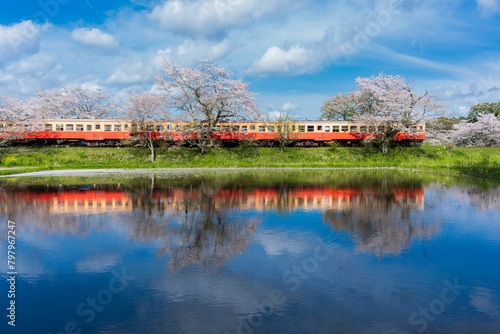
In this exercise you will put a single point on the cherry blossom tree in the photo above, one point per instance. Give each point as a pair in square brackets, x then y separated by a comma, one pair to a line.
[17, 118]
[390, 105]
[484, 132]
[339, 107]
[76, 102]
[206, 96]
[284, 129]
[146, 110]
[484, 108]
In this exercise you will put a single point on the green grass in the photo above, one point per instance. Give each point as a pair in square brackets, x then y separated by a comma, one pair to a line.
[470, 161]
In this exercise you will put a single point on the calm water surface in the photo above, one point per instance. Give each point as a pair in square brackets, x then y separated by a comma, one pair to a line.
[309, 252]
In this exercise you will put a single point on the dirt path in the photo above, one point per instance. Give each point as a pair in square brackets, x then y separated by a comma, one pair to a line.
[172, 171]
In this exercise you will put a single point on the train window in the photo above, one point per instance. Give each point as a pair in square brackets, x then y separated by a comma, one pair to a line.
[421, 127]
[262, 128]
[1, 126]
[279, 128]
[79, 127]
[335, 128]
[310, 128]
[362, 128]
[10, 125]
[89, 127]
[252, 127]
[48, 127]
[69, 127]
[302, 128]
[320, 128]
[327, 129]
[371, 128]
[18, 126]
[177, 128]
[148, 127]
[107, 127]
[169, 127]
[236, 128]
[59, 127]
[98, 126]
[244, 128]
[159, 128]
[225, 128]
[270, 129]
[380, 128]
[354, 128]
[118, 128]
[345, 128]
[293, 128]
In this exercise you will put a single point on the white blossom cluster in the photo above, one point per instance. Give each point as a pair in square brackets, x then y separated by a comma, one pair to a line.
[485, 132]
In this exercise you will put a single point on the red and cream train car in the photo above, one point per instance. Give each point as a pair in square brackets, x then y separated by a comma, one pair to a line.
[110, 132]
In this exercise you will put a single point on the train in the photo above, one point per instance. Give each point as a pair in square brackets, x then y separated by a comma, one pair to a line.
[107, 132]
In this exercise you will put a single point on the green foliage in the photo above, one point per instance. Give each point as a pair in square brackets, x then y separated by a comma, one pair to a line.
[333, 145]
[283, 129]
[450, 145]
[339, 107]
[484, 108]
[442, 123]
[484, 161]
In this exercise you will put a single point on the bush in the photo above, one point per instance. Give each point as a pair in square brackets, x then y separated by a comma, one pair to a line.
[333, 145]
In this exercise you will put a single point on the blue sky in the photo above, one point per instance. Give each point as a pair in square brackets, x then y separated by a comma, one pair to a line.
[295, 53]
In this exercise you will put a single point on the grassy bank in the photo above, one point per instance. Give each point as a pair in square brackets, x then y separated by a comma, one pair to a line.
[471, 161]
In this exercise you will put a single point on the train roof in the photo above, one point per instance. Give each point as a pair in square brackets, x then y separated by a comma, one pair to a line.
[83, 120]
[173, 121]
[307, 121]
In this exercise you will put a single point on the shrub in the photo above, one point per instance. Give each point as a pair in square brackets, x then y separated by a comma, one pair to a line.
[333, 145]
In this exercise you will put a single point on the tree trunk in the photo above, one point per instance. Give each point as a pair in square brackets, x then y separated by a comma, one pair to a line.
[203, 150]
[152, 149]
[153, 155]
[152, 186]
[384, 146]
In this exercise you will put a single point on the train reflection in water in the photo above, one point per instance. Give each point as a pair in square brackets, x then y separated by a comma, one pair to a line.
[380, 220]
[88, 200]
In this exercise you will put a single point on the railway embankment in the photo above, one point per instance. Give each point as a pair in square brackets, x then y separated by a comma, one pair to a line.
[484, 162]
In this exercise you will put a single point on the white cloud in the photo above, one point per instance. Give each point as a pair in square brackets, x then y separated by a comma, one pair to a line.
[278, 243]
[30, 73]
[188, 53]
[191, 51]
[473, 84]
[124, 77]
[288, 106]
[131, 74]
[94, 37]
[99, 264]
[485, 301]
[209, 18]
[279, 61]
[488, 5]
[20, 38]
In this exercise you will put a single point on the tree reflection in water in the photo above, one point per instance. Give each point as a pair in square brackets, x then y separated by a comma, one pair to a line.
[384, 222]
[206, 232]
[200, 222]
